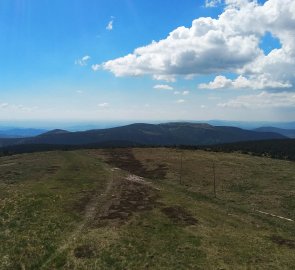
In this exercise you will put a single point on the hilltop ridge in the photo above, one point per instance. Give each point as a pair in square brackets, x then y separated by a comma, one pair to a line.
[166, 134]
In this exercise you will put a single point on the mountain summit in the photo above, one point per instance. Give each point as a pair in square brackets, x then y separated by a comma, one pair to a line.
[148, 134]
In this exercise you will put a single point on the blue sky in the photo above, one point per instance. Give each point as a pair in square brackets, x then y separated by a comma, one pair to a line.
[76, 60]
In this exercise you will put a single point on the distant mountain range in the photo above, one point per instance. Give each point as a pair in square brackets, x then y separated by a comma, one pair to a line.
[90, 125]
[20, 132]
[252, 124]
[290, 133]
[147, 134]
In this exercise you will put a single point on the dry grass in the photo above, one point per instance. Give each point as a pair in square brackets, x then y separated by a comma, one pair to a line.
[67, 210]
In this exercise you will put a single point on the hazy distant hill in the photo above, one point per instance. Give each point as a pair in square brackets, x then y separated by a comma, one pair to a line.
[251, 125]
[20, 132]
[290, 133]
[149, 134]
[53, 132]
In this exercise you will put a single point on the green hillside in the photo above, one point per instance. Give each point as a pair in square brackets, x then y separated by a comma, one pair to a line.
[90, 209]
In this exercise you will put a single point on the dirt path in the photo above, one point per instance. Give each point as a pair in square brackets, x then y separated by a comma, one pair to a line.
[122, 197]
[129, 195]
[137, 179]
[126, 160]
[89, 215]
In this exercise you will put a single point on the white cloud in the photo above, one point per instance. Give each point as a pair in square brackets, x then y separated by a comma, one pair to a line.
[219, 82]
[262, 100]
[3, 105]
[164, 77]
[83, 61]
[17, 107]
[104, 105]
[23, 108]
[203, 106]
[110, 25]
[276, 17]
[185, 93]
[163, 87]
[262, 81]
[95, 67]
[189, 51]
[230, 43]
[238, 3]
[212, 3]
[180, 101]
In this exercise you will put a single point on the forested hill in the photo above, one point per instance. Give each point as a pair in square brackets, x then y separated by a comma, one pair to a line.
[148, 134]
[281, 149]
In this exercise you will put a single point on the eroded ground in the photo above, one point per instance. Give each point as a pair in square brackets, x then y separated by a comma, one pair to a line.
[127, 209]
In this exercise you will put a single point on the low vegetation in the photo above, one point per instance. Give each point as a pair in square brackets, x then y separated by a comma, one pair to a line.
[142, 209]
[280, 149]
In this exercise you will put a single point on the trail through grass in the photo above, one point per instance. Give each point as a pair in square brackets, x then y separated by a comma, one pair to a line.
[71, 210]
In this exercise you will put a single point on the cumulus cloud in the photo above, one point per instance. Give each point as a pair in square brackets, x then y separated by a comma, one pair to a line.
[189, 51]
[238, 3]
[212, 3]
[83, 61]
[219, 82]
[185, 93]
[262, 100]
[163, 87]
[230, 43]
[262, 81]
[277, 18]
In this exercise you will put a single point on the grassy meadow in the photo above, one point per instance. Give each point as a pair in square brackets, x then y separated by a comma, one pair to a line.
[146, 208]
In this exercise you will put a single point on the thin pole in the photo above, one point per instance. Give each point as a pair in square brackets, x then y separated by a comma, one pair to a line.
[214, 179]
[180, 172]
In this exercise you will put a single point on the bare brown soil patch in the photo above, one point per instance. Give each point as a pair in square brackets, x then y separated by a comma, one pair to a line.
[179, 215]
[125, 160]
[126, 198]
[132, 197]
[283, 242]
